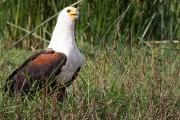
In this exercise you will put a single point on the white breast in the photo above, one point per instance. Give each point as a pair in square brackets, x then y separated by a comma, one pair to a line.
[74, 61]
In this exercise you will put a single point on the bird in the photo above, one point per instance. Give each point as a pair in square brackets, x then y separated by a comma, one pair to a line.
[57, 65]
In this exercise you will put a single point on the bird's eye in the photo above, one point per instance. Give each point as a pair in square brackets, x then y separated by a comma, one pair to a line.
[68, 10]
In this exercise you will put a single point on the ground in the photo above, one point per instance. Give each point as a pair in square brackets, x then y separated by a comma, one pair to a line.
[133, 83]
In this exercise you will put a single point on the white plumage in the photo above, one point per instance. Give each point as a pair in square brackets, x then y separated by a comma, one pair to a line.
[63, 40]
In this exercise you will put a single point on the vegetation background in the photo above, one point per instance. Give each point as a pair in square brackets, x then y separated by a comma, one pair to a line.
[132, 58]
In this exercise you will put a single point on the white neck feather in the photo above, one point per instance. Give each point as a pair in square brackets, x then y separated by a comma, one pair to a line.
[63, 36]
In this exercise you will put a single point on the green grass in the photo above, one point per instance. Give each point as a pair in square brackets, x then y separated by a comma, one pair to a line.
[139, 84]
[125, 75]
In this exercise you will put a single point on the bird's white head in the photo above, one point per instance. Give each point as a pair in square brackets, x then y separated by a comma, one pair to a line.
[63, 35]
[69, 13]
[66, 20]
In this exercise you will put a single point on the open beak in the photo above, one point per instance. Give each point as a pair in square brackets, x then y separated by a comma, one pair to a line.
[75, 14]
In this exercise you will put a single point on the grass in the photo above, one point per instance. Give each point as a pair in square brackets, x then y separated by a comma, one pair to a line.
[139, 84]
[127, 74]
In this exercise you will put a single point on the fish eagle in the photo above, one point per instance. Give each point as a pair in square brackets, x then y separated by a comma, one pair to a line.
[57, 65]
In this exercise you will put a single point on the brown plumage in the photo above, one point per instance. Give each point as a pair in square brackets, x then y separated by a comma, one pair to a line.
[36, 68]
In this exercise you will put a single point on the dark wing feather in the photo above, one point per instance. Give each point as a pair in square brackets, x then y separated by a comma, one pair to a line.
[73, 77]
[25, 63]
[39, 68]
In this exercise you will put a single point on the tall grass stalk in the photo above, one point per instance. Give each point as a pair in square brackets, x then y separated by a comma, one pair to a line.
[94, 23]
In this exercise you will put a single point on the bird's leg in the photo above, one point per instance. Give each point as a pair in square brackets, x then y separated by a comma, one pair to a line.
[59, 93]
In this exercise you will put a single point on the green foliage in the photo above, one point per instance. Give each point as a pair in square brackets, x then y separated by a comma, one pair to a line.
[99, 23]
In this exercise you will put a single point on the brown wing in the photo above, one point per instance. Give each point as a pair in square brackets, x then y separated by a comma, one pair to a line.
[39, 68]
